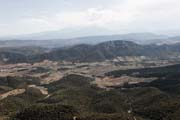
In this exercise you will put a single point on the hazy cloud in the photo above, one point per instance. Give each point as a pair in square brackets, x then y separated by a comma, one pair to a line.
[118, 15]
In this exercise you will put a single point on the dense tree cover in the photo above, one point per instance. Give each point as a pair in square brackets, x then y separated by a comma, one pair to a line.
[17, 82]
[12, 104]
[46, 112]
[159, 72]
[76, 96]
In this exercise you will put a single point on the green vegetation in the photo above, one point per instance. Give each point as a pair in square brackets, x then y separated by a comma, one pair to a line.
[17, 82]
[88, 53]
[75, 96]
[46, 112]
[159, 72]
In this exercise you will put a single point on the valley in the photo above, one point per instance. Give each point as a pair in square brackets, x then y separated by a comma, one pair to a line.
[121, 81]
[89, 60]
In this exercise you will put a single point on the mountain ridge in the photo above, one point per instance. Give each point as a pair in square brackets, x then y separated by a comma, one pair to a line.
[140, 38]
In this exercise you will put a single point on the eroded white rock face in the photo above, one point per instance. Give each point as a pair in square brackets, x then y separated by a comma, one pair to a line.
[120, 81]
[31, 89]
[12, 93]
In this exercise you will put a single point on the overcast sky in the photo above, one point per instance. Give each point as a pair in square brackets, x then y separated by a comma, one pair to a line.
[123, 16]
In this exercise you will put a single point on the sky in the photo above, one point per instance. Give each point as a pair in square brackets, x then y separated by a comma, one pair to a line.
[118, 16]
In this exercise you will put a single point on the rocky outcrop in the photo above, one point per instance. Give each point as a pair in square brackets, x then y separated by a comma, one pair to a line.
[36, 90]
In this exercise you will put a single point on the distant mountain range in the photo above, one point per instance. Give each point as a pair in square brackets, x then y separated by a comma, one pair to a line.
[65, 33]
[110, 50]
[90, 53]
[48, 41]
